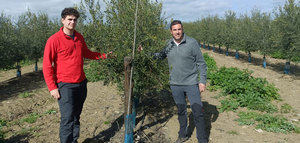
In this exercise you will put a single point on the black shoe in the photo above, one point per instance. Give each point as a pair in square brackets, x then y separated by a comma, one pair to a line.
[181, 140]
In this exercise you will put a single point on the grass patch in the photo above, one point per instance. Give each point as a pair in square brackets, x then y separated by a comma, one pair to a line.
[267, 122]
[31, 118]
[211, 65]
[286, 108]
[106, 122]
[50, 111]
[25, 95]
[240, 89]
[2, 134]
[2, 123]
[228, 105]
[233, 133]
[243, 90]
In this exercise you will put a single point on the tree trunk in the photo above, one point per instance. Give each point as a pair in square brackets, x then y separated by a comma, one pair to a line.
[249, 57]
[237, 56]
[18, 70]
[129, 118]
[264, 61]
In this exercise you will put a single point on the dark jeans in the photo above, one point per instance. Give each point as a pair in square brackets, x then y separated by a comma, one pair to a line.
[72, 97]
[193, 94]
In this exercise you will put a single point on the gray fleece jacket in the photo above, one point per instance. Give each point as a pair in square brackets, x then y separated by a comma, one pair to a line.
[185, 62]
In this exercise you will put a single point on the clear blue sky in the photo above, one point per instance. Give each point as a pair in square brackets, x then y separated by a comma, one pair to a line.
[185, 10]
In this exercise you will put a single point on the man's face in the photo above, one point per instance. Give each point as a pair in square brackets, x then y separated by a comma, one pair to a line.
[177, 32]
[69, 22]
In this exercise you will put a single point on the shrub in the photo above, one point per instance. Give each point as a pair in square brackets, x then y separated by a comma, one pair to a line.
[31, 118]
[244, 90]
[267, 122]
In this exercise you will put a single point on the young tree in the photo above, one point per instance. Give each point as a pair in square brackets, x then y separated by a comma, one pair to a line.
[287, 24]
[215, 31]
[151, 35]
[7, 41]
[229, 30]
[265, 42]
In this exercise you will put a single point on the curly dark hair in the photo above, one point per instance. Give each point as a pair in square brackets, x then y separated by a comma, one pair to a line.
[174, 23]
[69, 11]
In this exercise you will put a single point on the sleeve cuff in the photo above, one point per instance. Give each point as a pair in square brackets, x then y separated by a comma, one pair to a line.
[102, 56]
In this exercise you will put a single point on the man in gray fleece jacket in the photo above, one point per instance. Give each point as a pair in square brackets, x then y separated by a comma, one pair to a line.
[185, 62]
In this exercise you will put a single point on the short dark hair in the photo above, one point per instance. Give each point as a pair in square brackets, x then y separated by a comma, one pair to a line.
[174, 22]
[69, 11]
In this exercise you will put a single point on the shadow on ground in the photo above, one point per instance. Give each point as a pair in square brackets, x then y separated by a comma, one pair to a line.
[26, 83]
[21, 138]
[211, 114]
[107, 134]
[157, 108]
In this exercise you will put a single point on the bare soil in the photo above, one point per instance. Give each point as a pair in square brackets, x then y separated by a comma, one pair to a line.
[102, 119]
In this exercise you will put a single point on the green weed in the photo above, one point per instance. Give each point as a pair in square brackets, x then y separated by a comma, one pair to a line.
[2, 134]
[233, 133]
[2, 123]
[211, 65]
[51, 111]
[25, 94]
[267, 122]
[247, 118]
[244, 90]
[106, 122]
[286, 108]
[228, 105]
[31, 118]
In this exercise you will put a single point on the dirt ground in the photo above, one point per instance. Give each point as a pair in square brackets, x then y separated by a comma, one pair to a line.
[102, 120]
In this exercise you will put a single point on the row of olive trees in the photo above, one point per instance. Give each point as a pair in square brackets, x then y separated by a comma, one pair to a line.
[276, 35]
[24, 39]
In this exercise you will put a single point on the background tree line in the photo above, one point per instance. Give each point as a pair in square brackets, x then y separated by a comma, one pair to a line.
[111, 29]
[104, 30]
[25, 38]
[275, 34]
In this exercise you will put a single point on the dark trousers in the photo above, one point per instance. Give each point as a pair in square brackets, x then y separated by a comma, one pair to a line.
[193, 94]
[72, 97]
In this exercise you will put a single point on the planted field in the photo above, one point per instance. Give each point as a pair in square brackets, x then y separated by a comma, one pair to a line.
[31, 115]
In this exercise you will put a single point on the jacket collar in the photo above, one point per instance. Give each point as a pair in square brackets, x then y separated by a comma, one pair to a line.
[61, 33]
[182, 41]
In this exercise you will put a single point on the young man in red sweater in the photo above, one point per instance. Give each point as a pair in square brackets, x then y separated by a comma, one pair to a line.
[64, 75]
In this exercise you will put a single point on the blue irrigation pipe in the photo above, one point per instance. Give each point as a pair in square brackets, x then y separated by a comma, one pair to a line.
[249, 57]
[18, 70]
[227, 53]
[264, 62]
[237, 54]
[287, 68]
[220, 50]
[36, 67]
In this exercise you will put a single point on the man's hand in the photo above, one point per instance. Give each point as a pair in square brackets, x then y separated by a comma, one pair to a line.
[55, 93]
[202, 87]
[110, 55]
[140, 48]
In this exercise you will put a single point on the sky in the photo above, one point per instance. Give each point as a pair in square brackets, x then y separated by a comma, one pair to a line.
[184, 10]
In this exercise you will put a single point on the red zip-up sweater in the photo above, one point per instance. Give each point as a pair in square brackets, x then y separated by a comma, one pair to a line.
[63, 59]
